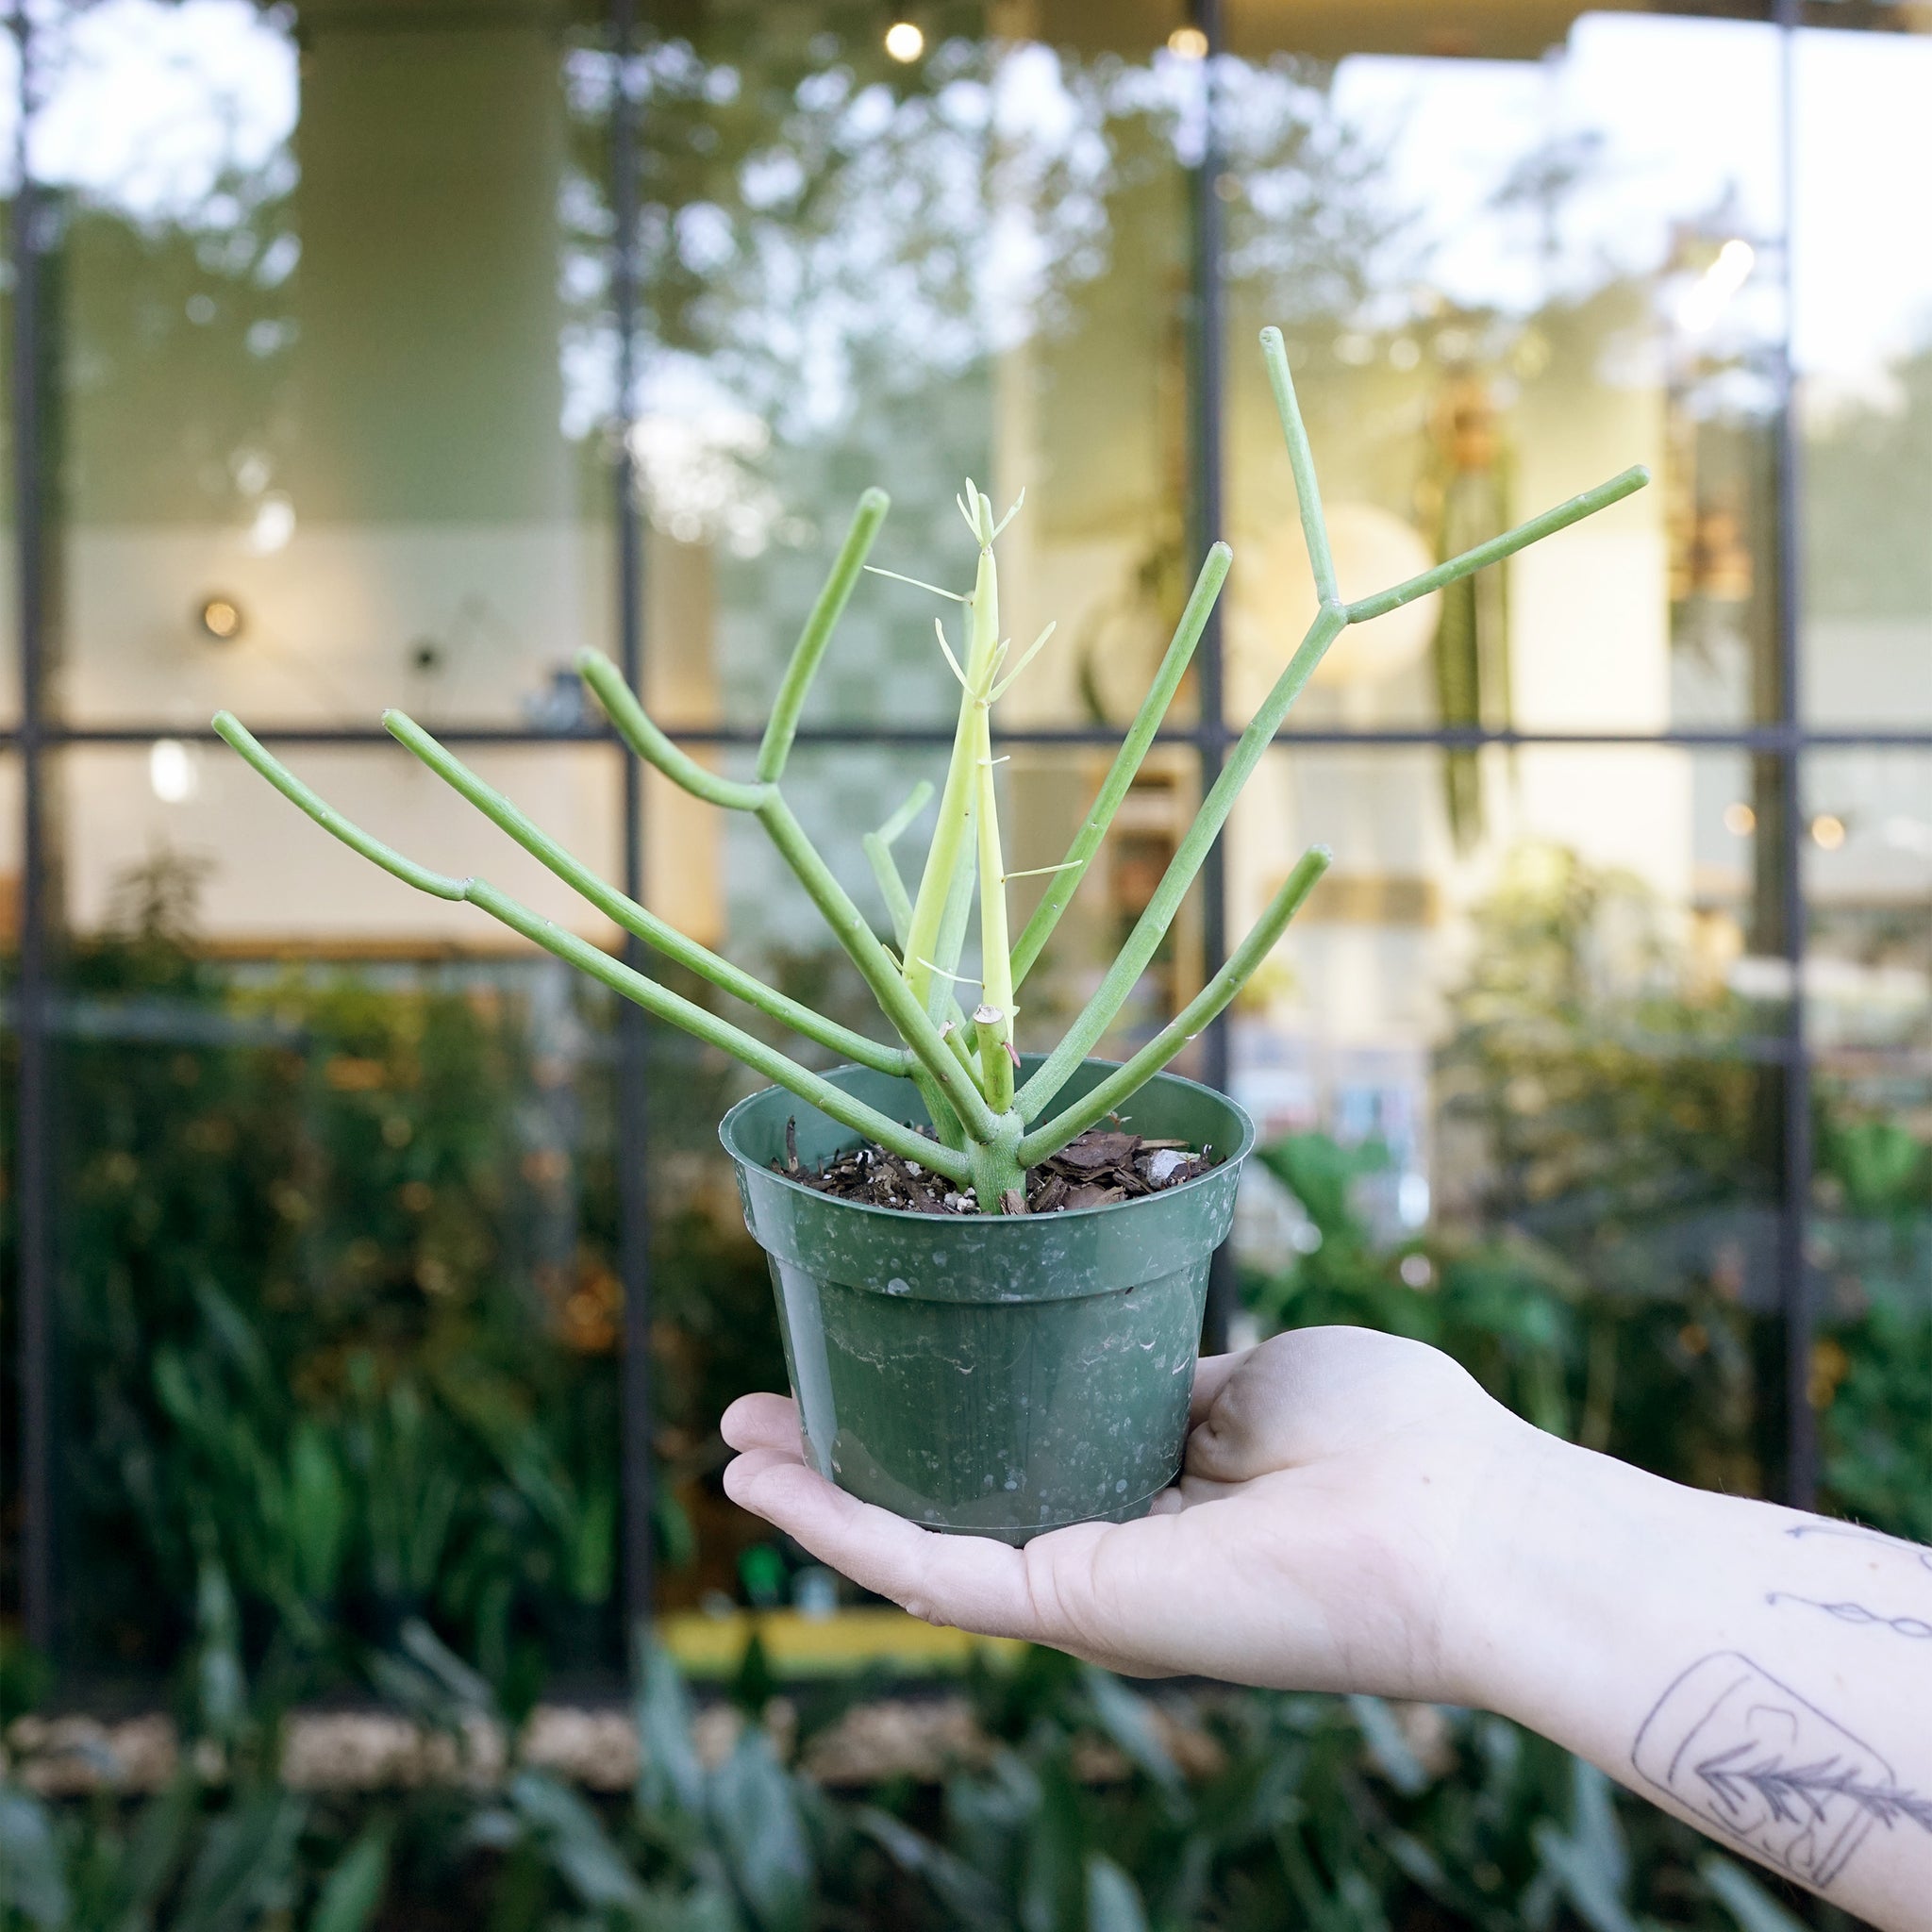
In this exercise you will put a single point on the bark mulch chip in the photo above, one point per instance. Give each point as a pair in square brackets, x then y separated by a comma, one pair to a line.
[1103, 1165]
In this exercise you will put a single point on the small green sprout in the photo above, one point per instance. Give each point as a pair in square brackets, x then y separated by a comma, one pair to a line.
[990, 1128]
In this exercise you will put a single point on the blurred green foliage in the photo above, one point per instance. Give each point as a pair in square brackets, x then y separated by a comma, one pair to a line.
[1087, 1807]
[339, 1319]
[337, 1305]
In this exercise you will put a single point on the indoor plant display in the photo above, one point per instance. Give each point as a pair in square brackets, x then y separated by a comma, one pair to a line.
[989, 1352]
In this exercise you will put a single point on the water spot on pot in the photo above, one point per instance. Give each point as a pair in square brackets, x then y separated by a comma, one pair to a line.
[896, 1286]
[985, 1481]
[1145, 1347]
[1013, 1482]
[1120, 1488]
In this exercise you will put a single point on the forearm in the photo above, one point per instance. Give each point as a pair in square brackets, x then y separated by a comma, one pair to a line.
[1763, 1674]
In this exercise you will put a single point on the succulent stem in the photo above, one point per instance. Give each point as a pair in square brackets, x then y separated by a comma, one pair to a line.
[967, 1084]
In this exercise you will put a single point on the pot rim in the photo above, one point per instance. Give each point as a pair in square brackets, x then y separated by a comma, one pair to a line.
[1246, 1147]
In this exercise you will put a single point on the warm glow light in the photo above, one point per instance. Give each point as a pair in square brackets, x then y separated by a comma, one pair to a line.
[221, 618]
[171, 771]
[1721, 280]
[274, 524]
[1827, 832]
[904, 42]
[1740, 820]
[1187, 43]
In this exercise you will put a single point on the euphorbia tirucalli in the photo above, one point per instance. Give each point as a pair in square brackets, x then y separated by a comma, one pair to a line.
[986, 1127]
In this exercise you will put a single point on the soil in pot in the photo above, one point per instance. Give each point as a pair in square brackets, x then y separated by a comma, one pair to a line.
[1101, 1166]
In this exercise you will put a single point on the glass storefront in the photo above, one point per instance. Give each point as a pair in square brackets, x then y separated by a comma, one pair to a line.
[389, 356]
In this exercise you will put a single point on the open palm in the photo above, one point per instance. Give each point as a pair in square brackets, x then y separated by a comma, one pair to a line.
[1336, 1488]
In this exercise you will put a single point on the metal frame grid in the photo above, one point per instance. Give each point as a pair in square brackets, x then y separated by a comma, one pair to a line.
[1783, 742]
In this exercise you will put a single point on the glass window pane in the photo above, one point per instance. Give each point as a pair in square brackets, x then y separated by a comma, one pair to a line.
[1869, 1011]
[335, 1228]
[267, 872]
[1500, 286]
[1527, 1100]
[1863, 345]
[862, 269]
[334, 358]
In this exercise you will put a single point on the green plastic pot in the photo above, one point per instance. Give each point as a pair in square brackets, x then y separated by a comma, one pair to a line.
[995, 1376]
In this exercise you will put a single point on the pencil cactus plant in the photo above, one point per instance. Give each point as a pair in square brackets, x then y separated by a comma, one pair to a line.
[988, 1129]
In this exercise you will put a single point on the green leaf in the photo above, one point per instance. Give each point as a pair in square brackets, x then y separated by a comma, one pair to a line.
[966, 1894]
[353, 1888]
[464, 1687]
[756, 1817]
[1113, 1900]
[1128, 1721]
[1591, 1890]
[31, 1881]
[1053, 1878]
[1388, 1746]
[154, 1853]
[670, 1781]
[1320, 1173]
[1747, 1901]
[318, 1513]
[576, 1843]
[246, 1865]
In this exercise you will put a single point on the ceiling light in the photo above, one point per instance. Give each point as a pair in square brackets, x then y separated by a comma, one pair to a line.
[1187, 43]
[904, 42]
[1740, 820]
[1827, 831]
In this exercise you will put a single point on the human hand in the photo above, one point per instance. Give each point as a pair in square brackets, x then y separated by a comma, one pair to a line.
[1343, 1495]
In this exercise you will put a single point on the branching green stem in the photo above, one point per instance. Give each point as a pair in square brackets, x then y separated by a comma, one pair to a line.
[634, 726]
[1507, 544]
[1143, 942]
[665, 1005]
[1301, 461]
[231, 729]
[1128, 761]
[636, 919]
[656, 1000]
[783, 724]
[963, 1071]
[895, 998]
[1126, 1079]
[1152, 927]
[878, 854]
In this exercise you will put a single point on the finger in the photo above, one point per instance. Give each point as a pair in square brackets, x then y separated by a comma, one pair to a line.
[1211, 1378]
[970, 1581]
[761, 1421]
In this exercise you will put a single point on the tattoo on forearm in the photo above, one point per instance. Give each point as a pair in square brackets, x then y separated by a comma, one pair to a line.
[1737, 1748]
[1854, 1532]
[1853, 1613]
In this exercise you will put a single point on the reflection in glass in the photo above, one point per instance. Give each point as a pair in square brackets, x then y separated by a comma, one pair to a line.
[1868, 990]
[331, 371]
[1499, 284]
[1863, 345]
[860, 270]
[1530, 1089]
[336, 1298]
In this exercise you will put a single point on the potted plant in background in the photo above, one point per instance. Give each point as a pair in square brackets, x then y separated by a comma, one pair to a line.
[989, 1270]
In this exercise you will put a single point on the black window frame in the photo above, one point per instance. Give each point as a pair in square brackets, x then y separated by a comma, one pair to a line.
[1780, 744]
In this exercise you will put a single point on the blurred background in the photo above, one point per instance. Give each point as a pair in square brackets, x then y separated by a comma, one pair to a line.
[372, 1286]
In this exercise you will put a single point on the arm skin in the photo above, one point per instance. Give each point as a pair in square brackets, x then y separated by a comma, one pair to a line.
[1355, 1514]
